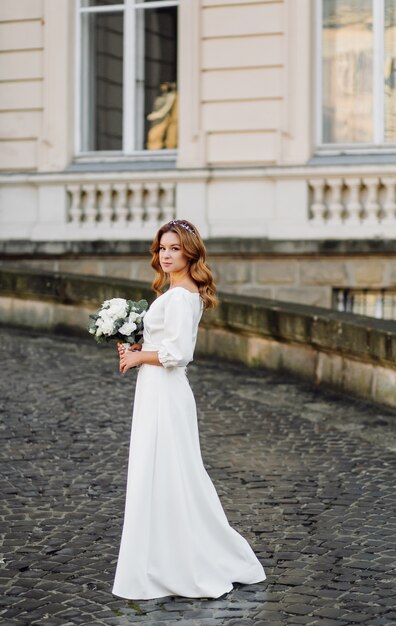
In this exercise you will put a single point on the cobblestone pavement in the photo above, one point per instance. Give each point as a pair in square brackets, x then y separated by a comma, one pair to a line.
[307, 476]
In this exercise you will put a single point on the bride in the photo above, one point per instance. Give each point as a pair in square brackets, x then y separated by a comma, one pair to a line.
[176, 539]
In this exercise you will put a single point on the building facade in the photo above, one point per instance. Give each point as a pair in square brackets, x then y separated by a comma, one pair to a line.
[271, 125]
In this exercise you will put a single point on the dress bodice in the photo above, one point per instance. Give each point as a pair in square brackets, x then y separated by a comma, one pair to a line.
[171, 326]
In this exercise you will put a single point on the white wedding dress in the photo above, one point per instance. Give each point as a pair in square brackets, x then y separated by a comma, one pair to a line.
[176, 539]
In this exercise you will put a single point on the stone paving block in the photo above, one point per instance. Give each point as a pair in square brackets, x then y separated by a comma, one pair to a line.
[307, 476]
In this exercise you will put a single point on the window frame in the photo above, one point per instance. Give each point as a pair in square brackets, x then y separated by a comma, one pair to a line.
[378, 145]
[129, 9]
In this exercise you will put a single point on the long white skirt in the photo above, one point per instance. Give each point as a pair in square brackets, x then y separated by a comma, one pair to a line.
[176, 539]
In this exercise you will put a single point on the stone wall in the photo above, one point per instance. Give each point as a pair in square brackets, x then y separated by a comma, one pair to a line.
[304, 272]
[354, 353]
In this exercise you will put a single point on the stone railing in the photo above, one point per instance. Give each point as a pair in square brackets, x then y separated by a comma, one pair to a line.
[106, 207]
[353, 353]
[353, 200]
[275, 203]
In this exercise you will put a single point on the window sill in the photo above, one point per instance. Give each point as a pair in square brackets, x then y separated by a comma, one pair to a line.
[366, 157]
[110, 162]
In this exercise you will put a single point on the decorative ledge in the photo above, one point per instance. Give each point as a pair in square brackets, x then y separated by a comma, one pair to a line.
[221, 246]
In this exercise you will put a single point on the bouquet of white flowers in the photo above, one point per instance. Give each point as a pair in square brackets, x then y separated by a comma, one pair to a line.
[119, 319]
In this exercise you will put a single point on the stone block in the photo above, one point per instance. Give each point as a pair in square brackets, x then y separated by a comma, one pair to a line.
[367, 272]
[382, 345]
[25, 313]
[50, 264]
[237, 272]
[358, 377]
[70, 320]
[142, 270]
[355, 339]
[253, 290]
[223, 344]
[384, 386]
[92, 267]
[264, 352]
[327, 333]
[118, 269]
[317, 296]
[329, 272]
[298, 359]
[294, 327]
[329, 369]
[275, 272]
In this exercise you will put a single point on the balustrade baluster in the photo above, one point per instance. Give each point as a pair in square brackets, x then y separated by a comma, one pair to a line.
[75, 211]
[137, 205]
[354, 205]
[336, 207]
[372, 206]
[90, 210]
[318, 207]
[121, 205]
[389, 206]
[152, 209]
[105, 209]
[168, 201]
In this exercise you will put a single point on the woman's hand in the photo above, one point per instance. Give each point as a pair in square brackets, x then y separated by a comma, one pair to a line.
[129, 358]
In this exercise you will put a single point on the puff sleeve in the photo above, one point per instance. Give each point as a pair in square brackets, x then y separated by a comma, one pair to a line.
[177, 347]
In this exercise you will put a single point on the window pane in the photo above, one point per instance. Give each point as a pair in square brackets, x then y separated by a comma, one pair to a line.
[156, 79]
[102, 81]
[390, 70]
[99, 3]
[347, 71]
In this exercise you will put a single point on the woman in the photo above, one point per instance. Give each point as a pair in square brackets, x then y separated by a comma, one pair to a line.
[176, 539]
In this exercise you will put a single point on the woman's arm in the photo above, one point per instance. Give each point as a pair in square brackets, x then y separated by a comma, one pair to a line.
[134, 357]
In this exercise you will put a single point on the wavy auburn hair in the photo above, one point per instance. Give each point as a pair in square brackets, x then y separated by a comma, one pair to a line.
[194, 249]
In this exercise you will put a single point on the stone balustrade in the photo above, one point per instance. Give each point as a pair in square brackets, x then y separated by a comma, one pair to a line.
[275, 203]
[110, 206]
[352, 200]
[353, 353]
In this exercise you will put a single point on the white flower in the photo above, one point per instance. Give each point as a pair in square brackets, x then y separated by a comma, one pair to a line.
[105, 314]
[105, 326]
[115, 308]
[133, 316]
[127, 328]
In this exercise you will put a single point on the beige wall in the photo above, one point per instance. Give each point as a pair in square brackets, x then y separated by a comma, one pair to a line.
[21, 82]
[242, 80]
[239, 99]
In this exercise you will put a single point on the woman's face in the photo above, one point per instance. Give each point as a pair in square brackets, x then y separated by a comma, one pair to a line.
[171, 256]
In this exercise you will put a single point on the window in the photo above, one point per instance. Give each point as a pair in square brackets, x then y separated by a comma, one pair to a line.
[127, 76]
[378, 303]
[356, 74]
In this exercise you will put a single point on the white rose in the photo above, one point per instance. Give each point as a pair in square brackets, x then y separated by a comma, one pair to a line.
[115, 308]
[118, 309]
[127, 328]
[114, 302]
[133, 316]
[105, 314]
[105, 326]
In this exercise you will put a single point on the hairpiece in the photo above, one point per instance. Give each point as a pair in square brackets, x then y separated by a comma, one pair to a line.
[183, 224]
